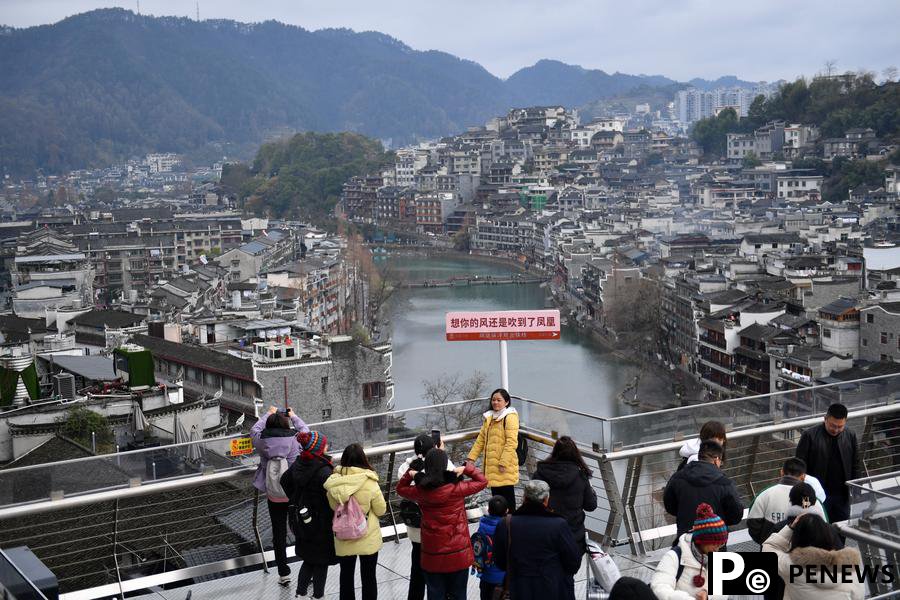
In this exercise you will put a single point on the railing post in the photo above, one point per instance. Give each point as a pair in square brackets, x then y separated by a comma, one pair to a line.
[866, 443]
[751, 464]
[616, 507]
[390, 481]
[632, 482]
[115, 546]
[259, 544]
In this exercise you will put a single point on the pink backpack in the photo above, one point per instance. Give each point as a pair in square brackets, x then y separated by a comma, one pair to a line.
[350, 523]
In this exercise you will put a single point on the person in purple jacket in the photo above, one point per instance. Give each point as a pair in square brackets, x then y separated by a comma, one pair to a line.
[275, 439]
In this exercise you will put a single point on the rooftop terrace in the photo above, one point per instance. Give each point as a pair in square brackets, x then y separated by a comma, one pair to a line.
[150, 522]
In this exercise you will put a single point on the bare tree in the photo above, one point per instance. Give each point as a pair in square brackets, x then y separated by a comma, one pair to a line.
[447, 389]
[632, 310]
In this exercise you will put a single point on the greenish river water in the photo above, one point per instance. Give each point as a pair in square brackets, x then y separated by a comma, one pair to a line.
[575, 371]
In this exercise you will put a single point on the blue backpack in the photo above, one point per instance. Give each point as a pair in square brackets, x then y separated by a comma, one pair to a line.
[483, 547]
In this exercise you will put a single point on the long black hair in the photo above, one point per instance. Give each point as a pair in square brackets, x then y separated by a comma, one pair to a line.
[503, 393]
[565, 450]
[812, 530]
[435, 468]
[355, 456]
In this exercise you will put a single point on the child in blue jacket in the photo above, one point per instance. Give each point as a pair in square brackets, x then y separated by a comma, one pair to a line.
[491, 576]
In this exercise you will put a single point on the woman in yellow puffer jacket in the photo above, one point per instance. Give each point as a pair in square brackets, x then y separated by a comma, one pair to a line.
[356, 477]
[497, 442]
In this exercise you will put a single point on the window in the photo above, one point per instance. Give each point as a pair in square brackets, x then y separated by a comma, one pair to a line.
[326, 414]
[826, 333]
[865, 342]
[373, 393]
[324, 384]
[373, 424]
[870, 318]
[884, 337]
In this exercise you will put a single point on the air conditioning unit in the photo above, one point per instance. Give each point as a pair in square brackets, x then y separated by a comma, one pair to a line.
[779, 385]
[64, 386]
[778, 364]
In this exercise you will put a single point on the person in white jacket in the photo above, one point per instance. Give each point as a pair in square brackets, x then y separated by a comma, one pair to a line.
[711, 430]
[411, 515]
[683, 574]
[771, 505]
[809, 542]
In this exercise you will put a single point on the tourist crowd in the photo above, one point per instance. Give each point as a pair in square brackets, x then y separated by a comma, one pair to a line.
[533, 549]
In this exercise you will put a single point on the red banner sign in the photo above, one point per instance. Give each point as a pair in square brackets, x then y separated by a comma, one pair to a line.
[503, 325]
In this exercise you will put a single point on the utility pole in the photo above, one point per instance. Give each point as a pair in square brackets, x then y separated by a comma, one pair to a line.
[198, 11]
[138, 6]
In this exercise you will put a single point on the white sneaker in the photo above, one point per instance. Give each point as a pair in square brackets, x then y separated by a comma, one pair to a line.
[284, 580]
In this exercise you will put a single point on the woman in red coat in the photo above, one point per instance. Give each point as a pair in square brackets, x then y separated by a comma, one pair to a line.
[446, 543]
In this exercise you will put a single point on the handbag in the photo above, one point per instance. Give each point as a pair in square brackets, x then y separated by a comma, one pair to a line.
[604, 570]
[502, 593]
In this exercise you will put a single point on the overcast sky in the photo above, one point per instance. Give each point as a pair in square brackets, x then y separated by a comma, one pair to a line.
[682, 39]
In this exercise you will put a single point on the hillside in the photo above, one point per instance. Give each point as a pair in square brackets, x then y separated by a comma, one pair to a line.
[302, 176]
[108, 84]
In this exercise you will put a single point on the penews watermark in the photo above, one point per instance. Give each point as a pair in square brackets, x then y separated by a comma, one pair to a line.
[749, 573]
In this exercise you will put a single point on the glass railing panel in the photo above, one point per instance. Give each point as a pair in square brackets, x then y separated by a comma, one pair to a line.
[875, 505]
[121, 469]
[752, 411]
[554, 422]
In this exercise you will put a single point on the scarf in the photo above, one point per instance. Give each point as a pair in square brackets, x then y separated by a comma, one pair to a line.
[501, 414]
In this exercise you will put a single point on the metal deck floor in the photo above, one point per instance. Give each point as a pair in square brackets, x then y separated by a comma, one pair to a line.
[392, 575]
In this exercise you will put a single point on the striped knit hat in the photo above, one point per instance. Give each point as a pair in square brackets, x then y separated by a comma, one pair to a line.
[312, 442]
[709, 529]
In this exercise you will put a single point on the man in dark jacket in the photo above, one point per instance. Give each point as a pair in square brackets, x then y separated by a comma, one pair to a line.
[536, 549]
[702, 481]
[571, 494]
[831, 455]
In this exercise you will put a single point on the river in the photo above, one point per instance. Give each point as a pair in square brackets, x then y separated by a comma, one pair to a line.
[574, 371]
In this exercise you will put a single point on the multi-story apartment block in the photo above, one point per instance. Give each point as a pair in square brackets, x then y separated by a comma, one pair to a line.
[359, 197]
[879, 332]
[49, 272]
[258, 256]
[798, 186]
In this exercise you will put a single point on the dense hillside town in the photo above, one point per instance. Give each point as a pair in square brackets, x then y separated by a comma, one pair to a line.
[734, 270]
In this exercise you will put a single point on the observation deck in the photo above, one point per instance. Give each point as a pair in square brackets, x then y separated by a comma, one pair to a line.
[184, 520]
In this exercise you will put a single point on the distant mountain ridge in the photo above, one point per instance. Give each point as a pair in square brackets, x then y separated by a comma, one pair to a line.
[108, 84]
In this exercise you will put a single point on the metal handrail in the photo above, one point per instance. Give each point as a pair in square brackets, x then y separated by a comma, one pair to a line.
[747, 433]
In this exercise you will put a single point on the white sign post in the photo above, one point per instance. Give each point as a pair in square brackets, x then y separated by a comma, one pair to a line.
[503, 326]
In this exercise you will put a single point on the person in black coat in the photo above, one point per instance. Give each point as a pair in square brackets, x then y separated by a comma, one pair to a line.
[536, 549]
[703, 481]
[304, 483]
[571, 492]
[832, 456]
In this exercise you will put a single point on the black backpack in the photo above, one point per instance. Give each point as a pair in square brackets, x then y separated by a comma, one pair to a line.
[410, 513]
[521, 445]
[522, 449]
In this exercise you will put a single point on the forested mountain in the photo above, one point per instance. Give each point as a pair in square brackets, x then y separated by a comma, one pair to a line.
[108, 84]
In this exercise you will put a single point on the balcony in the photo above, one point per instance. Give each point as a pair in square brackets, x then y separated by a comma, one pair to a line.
[713, 342]
[148, 521]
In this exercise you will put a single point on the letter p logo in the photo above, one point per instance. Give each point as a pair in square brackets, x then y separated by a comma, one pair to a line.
[724, 566]
[741, 573]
